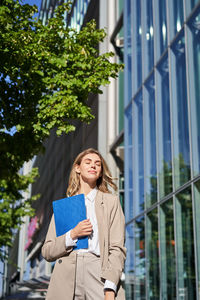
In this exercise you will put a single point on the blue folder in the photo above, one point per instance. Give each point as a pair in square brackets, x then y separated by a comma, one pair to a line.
[68, 212]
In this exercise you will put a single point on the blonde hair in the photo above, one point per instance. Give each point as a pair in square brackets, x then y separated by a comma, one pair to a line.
[103, 181]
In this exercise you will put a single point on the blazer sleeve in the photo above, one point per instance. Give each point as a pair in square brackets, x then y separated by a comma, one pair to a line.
[54, 247]
[116, 248]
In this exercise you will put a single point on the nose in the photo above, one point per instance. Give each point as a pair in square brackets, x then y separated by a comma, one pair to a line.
[93, 165]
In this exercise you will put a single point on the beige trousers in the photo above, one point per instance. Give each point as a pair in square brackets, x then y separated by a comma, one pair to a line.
[88, 285]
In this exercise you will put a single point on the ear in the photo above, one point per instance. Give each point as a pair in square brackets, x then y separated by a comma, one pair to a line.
[77, 169]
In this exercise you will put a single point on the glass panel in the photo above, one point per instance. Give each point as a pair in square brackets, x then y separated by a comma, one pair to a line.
[164, 129]
[180, 113]
[120, 7]
[129, 164]
[81, 6]
[163, 25]
[129, 263]
[138, 157]
[167, 249]
[150, 143]
[121, 190]
[140, 269]
[152, 241]
[197, 223]
[128, 54]
[137, 44]
[178, 15]
[85, 6]
[190, 4]
[121, 101]
[185, 246]
[193, 3]
[149, 35]
[194, 80]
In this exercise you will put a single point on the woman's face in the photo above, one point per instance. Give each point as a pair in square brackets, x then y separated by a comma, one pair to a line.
[90, 168]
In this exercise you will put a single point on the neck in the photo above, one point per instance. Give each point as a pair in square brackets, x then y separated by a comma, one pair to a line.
[86, 187]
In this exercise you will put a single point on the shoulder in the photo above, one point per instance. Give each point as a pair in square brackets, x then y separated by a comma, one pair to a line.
[109, 199]
[108, 196]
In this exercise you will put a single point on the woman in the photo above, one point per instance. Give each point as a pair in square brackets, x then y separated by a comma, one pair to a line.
[93, 273]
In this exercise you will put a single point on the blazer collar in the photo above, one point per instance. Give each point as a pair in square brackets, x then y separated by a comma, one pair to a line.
[99, 197]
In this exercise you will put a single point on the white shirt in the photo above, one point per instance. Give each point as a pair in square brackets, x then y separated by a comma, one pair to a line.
[93, 239]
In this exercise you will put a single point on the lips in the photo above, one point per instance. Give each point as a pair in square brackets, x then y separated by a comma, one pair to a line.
[92, 172]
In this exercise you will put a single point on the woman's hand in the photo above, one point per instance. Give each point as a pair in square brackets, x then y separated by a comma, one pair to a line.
[109, 295]
[83, 228]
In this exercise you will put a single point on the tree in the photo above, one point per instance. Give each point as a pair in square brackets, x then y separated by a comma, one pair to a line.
[46, 75]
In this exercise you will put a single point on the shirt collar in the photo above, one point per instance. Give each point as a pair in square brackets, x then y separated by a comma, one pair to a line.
[92, 194]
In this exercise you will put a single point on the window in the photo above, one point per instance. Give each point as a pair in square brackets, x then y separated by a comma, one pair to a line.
[181, 151]
[197, 219]
[129, 167]
[148, 37]
[193, 48]
[150, 142]
[140, 268]
[152, 240]
[129, 263]
[164, 128]
[185, 245]
[167, 249]
[138, 155]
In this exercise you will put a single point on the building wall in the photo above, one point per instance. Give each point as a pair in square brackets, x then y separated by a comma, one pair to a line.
[162, 149]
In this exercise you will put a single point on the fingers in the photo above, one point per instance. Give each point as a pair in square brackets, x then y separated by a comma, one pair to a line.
[84, 228]
[86, 221]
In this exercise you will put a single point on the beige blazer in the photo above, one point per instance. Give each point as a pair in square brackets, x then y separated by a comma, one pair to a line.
[111, 225]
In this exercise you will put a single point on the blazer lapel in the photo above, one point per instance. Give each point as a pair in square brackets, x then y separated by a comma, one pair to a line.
[99, 209]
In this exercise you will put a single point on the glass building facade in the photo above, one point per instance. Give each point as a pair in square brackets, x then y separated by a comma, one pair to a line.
[162, 148]
[77, 14]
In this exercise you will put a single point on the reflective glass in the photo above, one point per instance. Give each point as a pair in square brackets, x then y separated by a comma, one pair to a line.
[163, 25]
[138, 154]
[150, 143]
[164, 129]
[75, 15]
[152, 245]
[47, 4]
[197, 223]
[121, 101]
[120, 7]
[137, 44]
[149, 35]
[194, 80]
[189, 6]
[178, 15]
[180, 113]
[185, 246]
[129, 263]
[140, 268]
[193, 3]
[78, 9]
[81, 5]
[129, 164]
[167, 250]
[129, 50]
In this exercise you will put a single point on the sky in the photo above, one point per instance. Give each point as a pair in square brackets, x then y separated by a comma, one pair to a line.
[32, 2]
